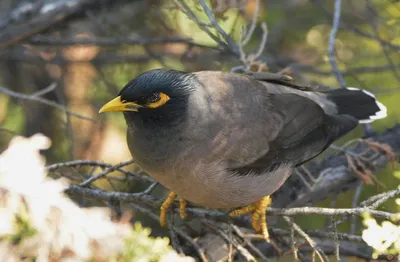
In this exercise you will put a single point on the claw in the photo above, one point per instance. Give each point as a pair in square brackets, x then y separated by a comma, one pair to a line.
[244, 210]
[258, 215]
[182, 208]
[167, 204]
[164, 208]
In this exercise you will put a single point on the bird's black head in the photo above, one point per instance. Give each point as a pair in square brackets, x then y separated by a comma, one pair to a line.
[159, 95]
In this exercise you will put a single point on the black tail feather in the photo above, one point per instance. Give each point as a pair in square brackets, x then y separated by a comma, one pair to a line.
[357, 103]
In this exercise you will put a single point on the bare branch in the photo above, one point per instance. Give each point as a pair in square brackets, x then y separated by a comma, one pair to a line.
[311, 242]
[354, 204]
[331, 47]
[35, 98]
[239, 247]
[336, 239]
[327, 211]
[110, 168]
[250, 31]
[105, 172]
[107, 195]
[377, 200]
[357, 30]
[221, 31]
[248, 243]
[263, 42]
[114, 41]
[46, 90]
[184, 8]
[43, 17]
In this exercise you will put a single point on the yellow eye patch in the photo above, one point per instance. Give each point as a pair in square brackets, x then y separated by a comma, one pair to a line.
[161, 101]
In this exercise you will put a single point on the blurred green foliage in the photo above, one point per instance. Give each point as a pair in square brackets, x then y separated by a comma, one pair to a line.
[140, 246]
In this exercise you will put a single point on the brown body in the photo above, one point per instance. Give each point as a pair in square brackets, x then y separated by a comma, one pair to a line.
[235, 129]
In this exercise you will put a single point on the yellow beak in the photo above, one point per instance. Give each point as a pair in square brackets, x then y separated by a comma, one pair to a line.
[116, 105]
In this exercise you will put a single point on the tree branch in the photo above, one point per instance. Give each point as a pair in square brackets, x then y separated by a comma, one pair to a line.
[331, 46]
[35, 97]
[41, 18]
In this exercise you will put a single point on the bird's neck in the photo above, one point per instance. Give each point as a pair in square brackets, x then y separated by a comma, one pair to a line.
[154, 119]
[151, 141]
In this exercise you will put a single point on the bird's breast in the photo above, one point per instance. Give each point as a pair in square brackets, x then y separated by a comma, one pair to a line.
[211, 185]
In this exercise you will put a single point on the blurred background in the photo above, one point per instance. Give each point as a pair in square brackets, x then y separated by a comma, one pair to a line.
[77, 55]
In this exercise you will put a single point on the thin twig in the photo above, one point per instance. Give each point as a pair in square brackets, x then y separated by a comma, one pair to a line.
[314, 233]
[43, 101]
[293, 245]
[372, 203]
[181, 233]
[384, 48]
[356, 30]
[311, 242]
[46, 16]
[107, 195]
[263, 42]
[326, 211]
[105, 172]
[253, 24]
[356, 197]
[46, 90]
[243, 251]
[377, 200]
[248, 243]
[331, 46]
[196, 246]
[172, 235]
[115, 41]
[77, 163]
[226, 37]
[185, 8]
[336, 239]
[69, 131]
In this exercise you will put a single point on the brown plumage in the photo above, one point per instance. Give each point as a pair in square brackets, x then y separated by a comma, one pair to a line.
[225, 140]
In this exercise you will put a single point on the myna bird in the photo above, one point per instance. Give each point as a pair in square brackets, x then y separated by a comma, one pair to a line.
[226, 140]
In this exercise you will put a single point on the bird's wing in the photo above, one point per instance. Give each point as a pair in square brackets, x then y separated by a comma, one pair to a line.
[306, 132]
[286, 80]
[264, 126]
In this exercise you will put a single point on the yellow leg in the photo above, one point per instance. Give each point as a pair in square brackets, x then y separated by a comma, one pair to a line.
[264, 203]
[164, 208]
[167, 204]
[182, 208]
[259, 217]
[244, 210]
[256, 215]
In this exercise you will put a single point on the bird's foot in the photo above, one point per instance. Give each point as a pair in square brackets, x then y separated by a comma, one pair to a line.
[182, 208]
[258, 215]
[167, 204]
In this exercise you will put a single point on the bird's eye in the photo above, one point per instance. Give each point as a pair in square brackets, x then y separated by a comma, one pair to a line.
[156, 100]
[153, 98]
